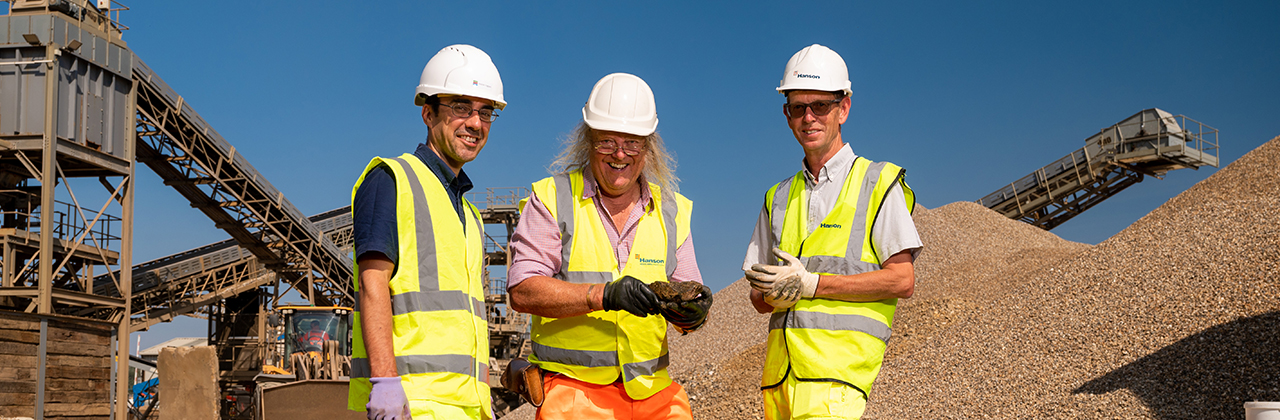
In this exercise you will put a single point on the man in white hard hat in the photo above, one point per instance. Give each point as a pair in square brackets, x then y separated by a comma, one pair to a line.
[590, 240]
[421, 339]
[831, 254]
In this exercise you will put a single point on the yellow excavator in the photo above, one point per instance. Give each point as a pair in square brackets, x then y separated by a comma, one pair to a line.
[305, 366]
[312, 342]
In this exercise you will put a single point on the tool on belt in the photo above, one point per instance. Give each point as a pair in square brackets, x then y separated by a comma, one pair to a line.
[524, 379]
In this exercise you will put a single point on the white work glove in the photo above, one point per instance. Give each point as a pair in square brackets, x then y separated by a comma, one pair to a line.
[387, 400]
[783, 285]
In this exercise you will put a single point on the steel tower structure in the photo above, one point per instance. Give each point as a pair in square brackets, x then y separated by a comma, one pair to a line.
[66, 113]
[77, 106]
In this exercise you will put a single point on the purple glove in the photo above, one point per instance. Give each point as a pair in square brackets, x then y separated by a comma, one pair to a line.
[387, 400]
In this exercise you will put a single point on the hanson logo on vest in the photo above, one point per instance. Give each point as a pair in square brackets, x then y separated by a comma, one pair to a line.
[650, 261]
[830, 225]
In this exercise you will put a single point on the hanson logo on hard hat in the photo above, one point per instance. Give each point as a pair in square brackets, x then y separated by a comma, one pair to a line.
[815, 68]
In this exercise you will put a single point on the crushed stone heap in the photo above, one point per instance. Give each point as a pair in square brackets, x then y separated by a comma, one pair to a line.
[1174, 317]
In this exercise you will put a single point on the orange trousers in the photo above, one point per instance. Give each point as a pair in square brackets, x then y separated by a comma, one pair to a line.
[571, 399]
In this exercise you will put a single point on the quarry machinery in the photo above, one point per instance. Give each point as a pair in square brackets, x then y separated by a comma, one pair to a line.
[253, 362]
[1149, 143]
[81, 108]
[309, 342]
[307, 350]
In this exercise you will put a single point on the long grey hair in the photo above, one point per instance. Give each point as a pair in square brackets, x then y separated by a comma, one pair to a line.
[659, 166]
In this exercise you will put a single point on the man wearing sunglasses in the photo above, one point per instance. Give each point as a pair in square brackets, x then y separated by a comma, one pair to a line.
[590, 240]
[831, 254]
[421, 338]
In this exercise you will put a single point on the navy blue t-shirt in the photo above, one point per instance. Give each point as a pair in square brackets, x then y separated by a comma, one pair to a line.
[374, 207]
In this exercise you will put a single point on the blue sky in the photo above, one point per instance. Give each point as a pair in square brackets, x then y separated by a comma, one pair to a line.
[968, 96]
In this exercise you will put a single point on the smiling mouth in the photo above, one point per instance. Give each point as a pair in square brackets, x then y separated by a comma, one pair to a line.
[618, 165]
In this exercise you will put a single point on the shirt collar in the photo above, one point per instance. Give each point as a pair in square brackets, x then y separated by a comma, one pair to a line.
[843, 159]
[590, 188]
[460, 182]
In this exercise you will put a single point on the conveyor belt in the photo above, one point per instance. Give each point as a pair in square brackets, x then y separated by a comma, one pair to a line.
[187, 281]
[195, 160]
[1149, 143]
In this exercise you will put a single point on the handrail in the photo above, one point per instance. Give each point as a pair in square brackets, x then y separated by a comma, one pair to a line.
[1151, 142]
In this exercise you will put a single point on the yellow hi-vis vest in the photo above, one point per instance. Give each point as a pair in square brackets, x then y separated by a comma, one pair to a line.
[600, 346]
[822, 339]
[439, 332]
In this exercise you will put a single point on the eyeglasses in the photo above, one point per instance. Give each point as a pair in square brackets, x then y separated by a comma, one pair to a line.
[464, 110]
[820, 108]
[609, 147]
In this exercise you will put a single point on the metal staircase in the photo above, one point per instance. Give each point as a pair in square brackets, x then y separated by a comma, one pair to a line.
[1149, 143]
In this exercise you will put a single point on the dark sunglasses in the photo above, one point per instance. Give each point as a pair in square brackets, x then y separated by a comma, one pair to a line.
[820, 108]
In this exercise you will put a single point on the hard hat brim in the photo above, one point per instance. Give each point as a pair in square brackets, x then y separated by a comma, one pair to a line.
[811, 86]
[604, 123]
[420, 98]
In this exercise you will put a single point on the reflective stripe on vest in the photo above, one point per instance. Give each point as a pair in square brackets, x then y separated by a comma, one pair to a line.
[446, 300]
[823, 339]
[601, 347]
[418, 363]
[440, 335]
[588, 358]
[832, 322]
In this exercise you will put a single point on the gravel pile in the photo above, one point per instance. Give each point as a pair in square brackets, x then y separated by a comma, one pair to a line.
[1177, 316]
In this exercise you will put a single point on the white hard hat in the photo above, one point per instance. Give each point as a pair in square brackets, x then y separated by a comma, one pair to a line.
[621, 102]
[460, 70]
[816, 68]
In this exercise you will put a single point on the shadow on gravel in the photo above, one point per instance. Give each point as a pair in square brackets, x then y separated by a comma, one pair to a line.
[1207, 375]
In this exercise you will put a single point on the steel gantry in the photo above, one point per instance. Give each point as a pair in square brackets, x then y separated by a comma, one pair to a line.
[186, 283]
[1149, 143]
[196, 161]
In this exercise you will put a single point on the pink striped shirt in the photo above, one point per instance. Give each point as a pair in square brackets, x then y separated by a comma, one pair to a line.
[535, 244]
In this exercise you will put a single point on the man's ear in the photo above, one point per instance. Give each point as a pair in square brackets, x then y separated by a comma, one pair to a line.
[426, 114]
[845, 105]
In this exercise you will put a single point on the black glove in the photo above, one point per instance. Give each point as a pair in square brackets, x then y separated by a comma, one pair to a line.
[688, 316]
[630, 294]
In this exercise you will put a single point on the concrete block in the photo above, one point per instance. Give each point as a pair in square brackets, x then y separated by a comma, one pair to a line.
[188, 383]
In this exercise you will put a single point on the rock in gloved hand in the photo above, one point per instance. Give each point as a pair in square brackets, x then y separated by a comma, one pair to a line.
[684, 304]
[676, 292]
